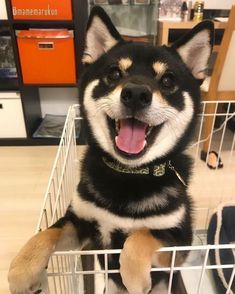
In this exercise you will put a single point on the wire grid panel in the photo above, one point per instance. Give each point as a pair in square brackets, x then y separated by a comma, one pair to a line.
[61, 186]
[215, 132]
[65, 273]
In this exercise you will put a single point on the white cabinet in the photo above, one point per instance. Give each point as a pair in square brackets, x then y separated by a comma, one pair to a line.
[3, 10]
[12, 123]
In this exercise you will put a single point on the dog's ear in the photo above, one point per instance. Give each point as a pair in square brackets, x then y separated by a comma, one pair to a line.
[195, 48]
[101, 35]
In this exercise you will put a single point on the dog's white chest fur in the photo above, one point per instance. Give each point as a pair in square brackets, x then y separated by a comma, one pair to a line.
[108, 221]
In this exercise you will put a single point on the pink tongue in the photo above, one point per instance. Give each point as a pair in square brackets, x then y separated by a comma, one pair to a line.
[131, 137]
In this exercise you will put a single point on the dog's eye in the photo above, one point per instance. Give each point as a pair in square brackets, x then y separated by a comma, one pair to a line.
[167, 81]
[114, 74]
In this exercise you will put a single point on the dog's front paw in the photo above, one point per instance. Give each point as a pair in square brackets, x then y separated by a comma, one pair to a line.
[24, 279]
[135, 271]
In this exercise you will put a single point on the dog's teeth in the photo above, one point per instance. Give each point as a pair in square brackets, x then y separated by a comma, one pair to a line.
[117, 125]
[149, 130]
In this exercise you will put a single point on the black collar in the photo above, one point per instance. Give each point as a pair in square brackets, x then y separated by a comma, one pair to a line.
[157, 170]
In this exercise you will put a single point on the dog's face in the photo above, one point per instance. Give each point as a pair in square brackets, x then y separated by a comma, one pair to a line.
[141, 101]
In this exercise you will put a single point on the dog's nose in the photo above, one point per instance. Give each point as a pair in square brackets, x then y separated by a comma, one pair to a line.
[136, 96]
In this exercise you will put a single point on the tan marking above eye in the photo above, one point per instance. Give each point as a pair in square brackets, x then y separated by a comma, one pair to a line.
[125, 63]
[159, 67]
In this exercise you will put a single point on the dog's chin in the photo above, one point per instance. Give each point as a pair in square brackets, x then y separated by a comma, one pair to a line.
[138, 149]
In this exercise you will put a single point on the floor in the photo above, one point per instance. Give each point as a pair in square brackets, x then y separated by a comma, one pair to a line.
[210, 187]
[24, 173]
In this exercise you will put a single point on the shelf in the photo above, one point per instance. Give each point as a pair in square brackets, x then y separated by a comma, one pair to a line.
[28, 142]
[34, 141]
[52, 85]
[9, 84]
[49, 130]
[43, 24]
[4, 22]
[29, 93]
[124, 5]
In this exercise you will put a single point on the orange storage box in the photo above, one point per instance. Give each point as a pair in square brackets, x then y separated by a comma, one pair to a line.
[47, 56]
[42, 9]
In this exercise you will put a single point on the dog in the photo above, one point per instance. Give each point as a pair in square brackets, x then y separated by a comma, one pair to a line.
[140, 104]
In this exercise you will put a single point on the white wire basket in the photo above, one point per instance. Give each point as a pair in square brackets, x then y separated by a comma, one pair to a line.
[209, 188]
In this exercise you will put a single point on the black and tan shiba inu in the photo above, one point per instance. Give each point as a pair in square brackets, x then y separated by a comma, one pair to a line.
[140, 104]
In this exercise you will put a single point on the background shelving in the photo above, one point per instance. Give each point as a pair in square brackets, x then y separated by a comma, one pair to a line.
[30, 94]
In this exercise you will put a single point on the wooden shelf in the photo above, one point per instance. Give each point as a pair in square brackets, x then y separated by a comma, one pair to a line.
[9, 84]
[165, 26]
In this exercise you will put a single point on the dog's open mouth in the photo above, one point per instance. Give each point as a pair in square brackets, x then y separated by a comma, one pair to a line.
[132, 136]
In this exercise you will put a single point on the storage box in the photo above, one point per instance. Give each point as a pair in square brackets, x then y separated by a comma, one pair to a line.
[47, 56]
[42, 9]
[11, 116]
[3, 10]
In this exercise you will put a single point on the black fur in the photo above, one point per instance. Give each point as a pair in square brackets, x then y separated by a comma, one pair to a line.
[120, 189]
[117, 190]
